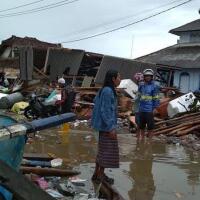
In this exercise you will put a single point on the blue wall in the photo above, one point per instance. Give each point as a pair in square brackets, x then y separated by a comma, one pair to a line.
[194, 77]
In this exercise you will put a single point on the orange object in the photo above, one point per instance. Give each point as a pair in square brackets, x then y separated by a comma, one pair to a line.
[162, 109]
[65, 128]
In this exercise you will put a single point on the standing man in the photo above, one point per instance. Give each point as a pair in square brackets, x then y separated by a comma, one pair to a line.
[67, 96]
[149, 100]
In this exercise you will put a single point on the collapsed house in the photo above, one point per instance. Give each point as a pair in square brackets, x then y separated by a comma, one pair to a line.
[33, 54]
[75, 65]
[31, 59]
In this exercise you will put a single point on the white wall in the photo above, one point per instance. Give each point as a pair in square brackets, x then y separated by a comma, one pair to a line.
[194, 78]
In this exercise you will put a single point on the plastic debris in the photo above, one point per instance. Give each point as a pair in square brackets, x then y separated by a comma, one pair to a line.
[54, 193]
[194, 162]
[56, 162]
[42, 183]
[129, 86]
[88, 138]
[76, 179]
[19, 107]
[67, 189]
[180, 104]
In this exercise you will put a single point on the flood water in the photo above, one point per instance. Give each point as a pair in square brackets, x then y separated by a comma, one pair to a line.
[149, 170]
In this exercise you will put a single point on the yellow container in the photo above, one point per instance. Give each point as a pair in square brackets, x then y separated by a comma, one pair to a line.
[64, 133]
[65, 128]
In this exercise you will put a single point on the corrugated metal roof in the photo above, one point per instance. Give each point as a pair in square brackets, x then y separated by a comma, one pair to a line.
[60, 59]
[192, 26]
[179, 55]
[126, 67]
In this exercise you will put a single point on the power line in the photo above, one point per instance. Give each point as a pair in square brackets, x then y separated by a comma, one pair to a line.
[122, 18]
[127, 25]
[39, 9]
[21, 6]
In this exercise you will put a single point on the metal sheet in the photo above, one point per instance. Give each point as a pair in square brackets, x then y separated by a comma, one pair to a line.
[60, 59]
[126, 67]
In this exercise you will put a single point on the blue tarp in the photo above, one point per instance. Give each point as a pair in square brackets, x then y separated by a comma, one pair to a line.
[11, 151]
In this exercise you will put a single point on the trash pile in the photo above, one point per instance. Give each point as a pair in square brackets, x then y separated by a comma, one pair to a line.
[183, 124]
[40, 102]
[61, 184]
[184, 130]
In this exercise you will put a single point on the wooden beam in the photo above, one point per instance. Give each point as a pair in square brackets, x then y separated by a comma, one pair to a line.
[40, 72]
[37, 156]
[49, 171]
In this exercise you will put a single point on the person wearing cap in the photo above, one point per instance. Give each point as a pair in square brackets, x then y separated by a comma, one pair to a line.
[67, 96]
[61, 82]
[149, 100]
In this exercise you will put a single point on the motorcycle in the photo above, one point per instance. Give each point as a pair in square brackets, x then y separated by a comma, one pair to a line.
[38, 108]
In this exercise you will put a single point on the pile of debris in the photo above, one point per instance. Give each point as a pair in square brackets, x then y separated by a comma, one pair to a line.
[179, 126]
[59, 183]
[182, 126]
[184, 130]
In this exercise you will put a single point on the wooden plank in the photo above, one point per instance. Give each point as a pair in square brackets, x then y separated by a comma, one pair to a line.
[37, 156]
[49, 171]
[19, 185]
[177, 118]
[167, 130]
[84, 103]
[40, 72]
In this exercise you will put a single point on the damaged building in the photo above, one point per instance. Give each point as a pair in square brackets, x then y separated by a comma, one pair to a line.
[185, 55]
[10, 55]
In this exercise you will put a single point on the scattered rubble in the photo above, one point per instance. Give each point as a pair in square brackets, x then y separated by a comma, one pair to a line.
[59, 183]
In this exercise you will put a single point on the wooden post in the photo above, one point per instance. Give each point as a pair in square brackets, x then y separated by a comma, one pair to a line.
[170, 76]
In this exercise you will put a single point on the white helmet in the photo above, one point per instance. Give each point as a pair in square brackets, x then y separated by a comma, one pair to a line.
[61, 80]
[148, 72]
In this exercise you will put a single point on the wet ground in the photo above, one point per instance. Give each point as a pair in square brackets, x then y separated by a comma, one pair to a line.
[149, 170]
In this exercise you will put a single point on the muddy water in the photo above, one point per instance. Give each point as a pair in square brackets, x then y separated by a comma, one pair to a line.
[149, 170]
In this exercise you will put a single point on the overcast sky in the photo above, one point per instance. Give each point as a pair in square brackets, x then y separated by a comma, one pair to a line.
[87, 17]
